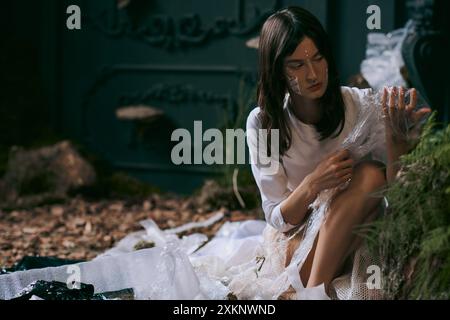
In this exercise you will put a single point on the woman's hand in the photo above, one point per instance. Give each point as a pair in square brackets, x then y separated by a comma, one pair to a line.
[333, 171]
[402, 126]
[402, 122]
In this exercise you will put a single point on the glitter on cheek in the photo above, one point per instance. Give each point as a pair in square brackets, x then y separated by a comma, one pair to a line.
[294, 85]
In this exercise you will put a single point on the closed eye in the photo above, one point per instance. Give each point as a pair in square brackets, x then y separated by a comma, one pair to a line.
[318, 57]
[296, 65]
[300, 63]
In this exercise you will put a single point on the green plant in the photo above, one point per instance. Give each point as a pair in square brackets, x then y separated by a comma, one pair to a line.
[413, 238]
[235, 177]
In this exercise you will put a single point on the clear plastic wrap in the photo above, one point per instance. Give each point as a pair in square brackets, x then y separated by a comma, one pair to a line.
[367, 135]
[151, 273]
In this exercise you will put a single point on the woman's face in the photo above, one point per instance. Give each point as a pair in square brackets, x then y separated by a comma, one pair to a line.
[307, 70]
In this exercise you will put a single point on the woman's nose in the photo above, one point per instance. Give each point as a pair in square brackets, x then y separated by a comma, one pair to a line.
[312, 76]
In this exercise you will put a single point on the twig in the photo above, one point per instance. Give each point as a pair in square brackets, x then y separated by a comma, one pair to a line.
[235, 188]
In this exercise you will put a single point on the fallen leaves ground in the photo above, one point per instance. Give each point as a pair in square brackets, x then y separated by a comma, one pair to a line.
[81, 229]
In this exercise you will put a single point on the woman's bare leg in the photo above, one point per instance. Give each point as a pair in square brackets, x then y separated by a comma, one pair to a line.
[292, 246]
[305, 271]
[348, 209]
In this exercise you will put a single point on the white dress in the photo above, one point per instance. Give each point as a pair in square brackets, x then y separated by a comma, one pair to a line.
[303, 156]
[363, 135]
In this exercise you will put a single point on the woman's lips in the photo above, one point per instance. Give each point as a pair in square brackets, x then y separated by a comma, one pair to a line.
[315, 87]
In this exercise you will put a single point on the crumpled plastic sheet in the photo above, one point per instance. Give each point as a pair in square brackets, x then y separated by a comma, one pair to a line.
[230, 252]
[162, 272]
[201, 224]
[367, 135]
[152, 233]
[173, 269]
[139, 270]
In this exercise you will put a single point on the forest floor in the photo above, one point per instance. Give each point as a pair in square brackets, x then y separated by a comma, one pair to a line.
[81, 229]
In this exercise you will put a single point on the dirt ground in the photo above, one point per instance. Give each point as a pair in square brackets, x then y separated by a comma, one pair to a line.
[81, 229]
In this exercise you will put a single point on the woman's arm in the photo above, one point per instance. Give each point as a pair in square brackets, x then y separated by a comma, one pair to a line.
[333, 171]
[295, 207]
[394, 149]
[397, 115]
[272, 181]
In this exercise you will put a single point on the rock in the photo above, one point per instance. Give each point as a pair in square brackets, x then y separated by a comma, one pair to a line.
[35, 176]
[213, 196]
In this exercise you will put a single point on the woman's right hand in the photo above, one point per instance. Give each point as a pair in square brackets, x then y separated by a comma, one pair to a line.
[333, 171]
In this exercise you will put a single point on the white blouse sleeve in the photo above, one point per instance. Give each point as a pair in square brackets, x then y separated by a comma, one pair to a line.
[272, 183]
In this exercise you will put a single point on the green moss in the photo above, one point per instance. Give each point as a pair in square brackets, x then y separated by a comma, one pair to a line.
[117, 185]
[122, 184]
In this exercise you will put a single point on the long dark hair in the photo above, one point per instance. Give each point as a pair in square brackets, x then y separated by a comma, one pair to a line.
[280, 36]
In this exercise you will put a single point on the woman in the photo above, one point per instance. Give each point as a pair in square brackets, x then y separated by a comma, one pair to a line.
[299, 95]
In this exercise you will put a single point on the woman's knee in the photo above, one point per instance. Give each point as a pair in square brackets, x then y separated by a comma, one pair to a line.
[369, 175]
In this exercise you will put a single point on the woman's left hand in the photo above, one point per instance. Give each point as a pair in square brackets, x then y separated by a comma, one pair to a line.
[402, 122]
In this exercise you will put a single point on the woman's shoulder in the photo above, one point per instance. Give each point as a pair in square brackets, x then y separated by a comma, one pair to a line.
[354, 98]
[354, 94]
[254, 118]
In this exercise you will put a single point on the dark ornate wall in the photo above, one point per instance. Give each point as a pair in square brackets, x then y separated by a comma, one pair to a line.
[185, 59]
